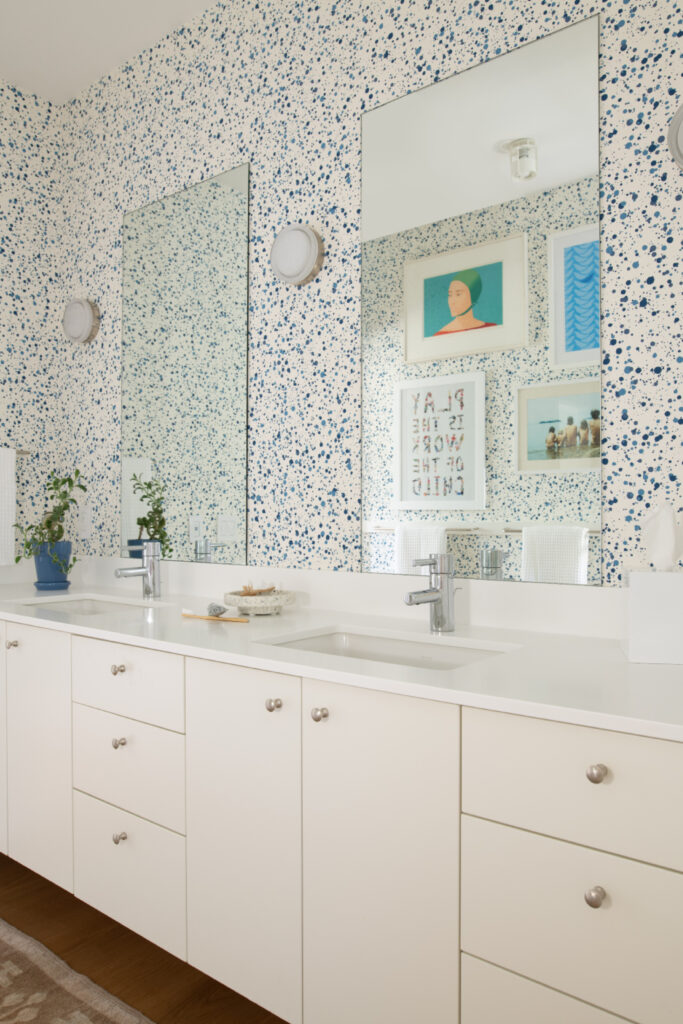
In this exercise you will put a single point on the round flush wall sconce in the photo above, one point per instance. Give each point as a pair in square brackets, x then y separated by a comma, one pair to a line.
[523, 159]
[81, 320]
[297, 254]
[675, 137]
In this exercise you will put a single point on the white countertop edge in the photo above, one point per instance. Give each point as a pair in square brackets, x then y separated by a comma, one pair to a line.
[530, 647]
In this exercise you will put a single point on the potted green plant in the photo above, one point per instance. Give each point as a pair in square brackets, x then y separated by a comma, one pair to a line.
[154, 522]
[44, 541]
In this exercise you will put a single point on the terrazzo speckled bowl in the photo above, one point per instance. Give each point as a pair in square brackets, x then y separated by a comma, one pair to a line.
[260, 604]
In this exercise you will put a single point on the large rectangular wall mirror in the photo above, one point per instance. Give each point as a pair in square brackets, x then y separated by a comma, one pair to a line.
[184, 377]
[481, 318]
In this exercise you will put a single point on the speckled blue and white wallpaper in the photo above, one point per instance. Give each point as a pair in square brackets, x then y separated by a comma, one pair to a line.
[512, 498]
[282, 84]
[184, 377]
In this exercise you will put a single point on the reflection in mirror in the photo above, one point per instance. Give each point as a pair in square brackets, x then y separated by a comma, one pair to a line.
[184, 378]
[480, 319]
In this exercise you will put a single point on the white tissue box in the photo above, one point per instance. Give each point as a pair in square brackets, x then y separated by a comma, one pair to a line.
[655, 618]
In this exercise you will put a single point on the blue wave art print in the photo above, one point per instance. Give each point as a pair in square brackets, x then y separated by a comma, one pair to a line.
[582, 297]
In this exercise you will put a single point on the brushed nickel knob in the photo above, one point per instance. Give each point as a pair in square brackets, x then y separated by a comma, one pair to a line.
[118, 837]
[273, 703]
[318, 714]
[11, 643]
[597, 773]
[116, 743]
[595, 897]
[115, 669]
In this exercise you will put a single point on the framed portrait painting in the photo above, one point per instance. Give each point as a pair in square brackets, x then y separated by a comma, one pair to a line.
[574, 258]
[440, 443]
[467, 301]
[558, 427]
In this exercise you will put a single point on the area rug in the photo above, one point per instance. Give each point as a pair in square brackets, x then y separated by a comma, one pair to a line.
[35, 985]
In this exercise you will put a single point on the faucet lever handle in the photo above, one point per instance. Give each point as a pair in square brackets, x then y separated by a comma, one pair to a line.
[425, 561]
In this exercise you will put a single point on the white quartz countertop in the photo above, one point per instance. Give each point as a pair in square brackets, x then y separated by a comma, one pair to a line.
[583, 680]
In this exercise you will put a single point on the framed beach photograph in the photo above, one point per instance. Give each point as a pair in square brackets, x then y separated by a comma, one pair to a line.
[439, 443]
[558, 427]
[574, 261]
[467, 301]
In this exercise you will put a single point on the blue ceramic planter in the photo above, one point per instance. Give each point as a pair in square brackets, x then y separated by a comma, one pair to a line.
[50, 576]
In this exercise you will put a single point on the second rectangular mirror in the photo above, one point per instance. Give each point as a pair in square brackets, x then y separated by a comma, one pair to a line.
[480, 319]
[184, 381]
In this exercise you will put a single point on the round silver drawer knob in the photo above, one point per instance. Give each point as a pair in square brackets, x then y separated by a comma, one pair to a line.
[597, 773]
[318, 714]
[119, 837]
[11, 643]
[595, 897]
[273, 704]
[116, 669]
[120, 742]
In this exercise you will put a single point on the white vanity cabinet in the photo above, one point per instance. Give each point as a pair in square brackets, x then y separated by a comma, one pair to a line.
[381, 858]
[244, 831]
[303, 841]
[40, 835]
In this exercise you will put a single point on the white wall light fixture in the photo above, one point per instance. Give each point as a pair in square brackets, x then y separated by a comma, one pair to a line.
[523, 159]
[81, 320]
[296, 255]
[675, 137]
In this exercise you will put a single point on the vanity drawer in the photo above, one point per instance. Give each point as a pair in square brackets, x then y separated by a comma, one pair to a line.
[140, 881]
[145, 774]
[148, 685]
[490, 995]
[532, 774]
[523, 908]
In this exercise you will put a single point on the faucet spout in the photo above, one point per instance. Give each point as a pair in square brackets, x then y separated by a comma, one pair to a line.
[125, 574]
[422, 596]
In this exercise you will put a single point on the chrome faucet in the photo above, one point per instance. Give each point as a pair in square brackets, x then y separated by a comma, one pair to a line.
[440, 596]
[149, 571]
[204, 550]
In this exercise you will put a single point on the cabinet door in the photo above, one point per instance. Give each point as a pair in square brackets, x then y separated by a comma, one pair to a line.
[39, 751]
[491, 995]
[380, 843]
[244, 832]
[3, 741]
[132, 870]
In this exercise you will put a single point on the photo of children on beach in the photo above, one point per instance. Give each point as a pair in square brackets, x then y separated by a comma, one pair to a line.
[560, 424]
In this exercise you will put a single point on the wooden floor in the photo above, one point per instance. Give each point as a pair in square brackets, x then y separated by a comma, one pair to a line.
[157, 984]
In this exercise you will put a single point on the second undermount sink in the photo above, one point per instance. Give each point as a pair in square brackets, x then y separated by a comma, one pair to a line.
[90, 605]
[438, 654]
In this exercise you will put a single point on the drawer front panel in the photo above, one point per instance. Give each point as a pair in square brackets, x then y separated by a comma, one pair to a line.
[532, 774]
[139, 882]
[144, 775]
[523, 907]
[490, 995]
[148, 685]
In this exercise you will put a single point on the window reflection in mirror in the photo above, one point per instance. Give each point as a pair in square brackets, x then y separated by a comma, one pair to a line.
[480, 260]
[184, 378]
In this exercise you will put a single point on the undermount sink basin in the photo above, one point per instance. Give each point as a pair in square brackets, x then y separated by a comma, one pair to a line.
[436, 655]
[86, 604]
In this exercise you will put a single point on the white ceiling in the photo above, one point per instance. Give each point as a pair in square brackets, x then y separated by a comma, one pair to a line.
[57, 48]
[434, 154]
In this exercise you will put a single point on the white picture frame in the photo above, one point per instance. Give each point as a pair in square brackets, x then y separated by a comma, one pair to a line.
[574, 326]
[440, 442]
[501, 267]
[578, 398]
